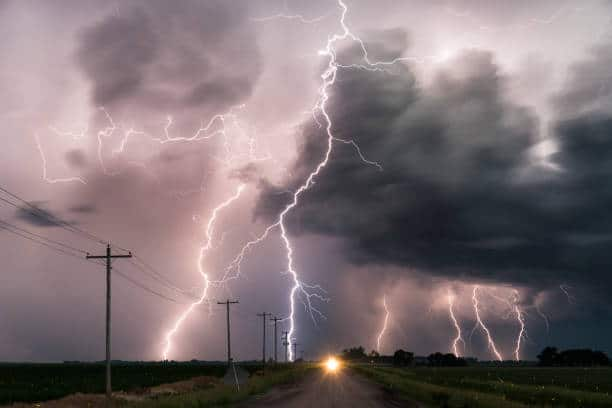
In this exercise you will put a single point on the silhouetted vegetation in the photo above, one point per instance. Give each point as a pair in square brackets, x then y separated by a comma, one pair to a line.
[550, 357]
[40, 382]
[354, 353]
[445, 360]
[403, 358]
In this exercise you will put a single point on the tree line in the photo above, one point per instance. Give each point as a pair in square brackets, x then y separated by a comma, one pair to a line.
[549, 357]
[402, 358]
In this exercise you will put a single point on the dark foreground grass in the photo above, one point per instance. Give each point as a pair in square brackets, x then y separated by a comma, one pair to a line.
[41, 382]
[498, 387]
[225, 395]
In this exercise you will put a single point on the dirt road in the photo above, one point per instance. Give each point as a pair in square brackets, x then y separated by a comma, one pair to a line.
[325, 390]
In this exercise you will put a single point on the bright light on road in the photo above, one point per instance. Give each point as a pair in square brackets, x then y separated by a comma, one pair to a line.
[332, 364]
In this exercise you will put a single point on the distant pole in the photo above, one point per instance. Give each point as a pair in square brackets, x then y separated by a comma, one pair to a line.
[275, 319]
[264, 315]
[286, 344]
[227, 304]
[302, 354]
[108, 257]
[295, 350]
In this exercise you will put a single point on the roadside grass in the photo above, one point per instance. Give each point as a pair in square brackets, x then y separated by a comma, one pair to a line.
[592, 379]
[461, 387]
[25, 382]
[434, 395]
[224, 395]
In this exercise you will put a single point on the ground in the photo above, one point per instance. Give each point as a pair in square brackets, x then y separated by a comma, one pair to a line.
[344, 388]
[362, 386]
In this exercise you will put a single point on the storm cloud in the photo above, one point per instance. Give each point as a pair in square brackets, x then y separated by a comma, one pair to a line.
[492, 136]
[458, 196]
[162, 56]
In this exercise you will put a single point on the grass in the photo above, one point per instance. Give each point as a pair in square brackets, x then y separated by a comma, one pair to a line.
[41, 382]
[224, 395]
[498, 387]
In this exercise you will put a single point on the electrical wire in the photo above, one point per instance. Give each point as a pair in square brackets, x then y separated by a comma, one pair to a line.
[47, 239]
[48, 217]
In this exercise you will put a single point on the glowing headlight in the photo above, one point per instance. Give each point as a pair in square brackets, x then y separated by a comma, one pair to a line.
[332, 364]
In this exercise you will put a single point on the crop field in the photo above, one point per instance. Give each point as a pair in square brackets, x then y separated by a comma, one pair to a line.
[41, 382]
[498, 387]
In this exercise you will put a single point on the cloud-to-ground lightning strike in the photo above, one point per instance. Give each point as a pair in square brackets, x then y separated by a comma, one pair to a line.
[480, 323]
[384, 326]
[210, 229]
[458, 338]
[328, 78]
[217, 126]
[522, 332]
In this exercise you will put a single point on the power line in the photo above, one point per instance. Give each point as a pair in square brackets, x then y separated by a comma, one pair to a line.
[16, 231]
[158, 276]
[46, 216]
[50, 218]
[6, 228]
[42, 237]
[143, 287]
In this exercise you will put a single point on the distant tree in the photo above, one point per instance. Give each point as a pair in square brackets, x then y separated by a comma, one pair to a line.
[548, 357]
[402, 358]
[374, 354]
[354, 353]
[445, 360]
[583, 358]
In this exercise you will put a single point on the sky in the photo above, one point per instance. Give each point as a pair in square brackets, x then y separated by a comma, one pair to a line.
[441, 165]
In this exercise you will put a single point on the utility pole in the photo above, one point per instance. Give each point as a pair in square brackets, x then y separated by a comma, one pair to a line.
[263, 350]
[227, 304]
[108, 257]
[295, 350]
[286, 344]
[275, 319]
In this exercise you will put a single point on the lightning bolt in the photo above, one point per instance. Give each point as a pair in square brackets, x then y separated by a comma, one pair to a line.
[543, 316]
[565, 289]
[203, 252]
[384, 327]
[458, 338]
[328, 79]
[480, 323]
[44, 167]
[521, 320]
[287, 16]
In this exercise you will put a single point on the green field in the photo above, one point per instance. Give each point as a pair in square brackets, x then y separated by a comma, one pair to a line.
[497, 387]
[40, 382]
[224, 395]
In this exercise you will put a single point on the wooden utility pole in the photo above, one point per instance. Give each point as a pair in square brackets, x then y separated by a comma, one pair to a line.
[295, 350]
[275, 319]
[227, 304]
[108, 257]
[286, 344]
[263, 349]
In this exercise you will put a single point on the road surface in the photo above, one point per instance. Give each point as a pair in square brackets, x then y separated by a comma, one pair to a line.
[325, 390]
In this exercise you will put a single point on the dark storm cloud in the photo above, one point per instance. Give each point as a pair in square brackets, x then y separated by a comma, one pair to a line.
[452, 198]
[76, 158]
[589, 84]
[250, 173]
[83, 208]
[36, 215]
[163, 55]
